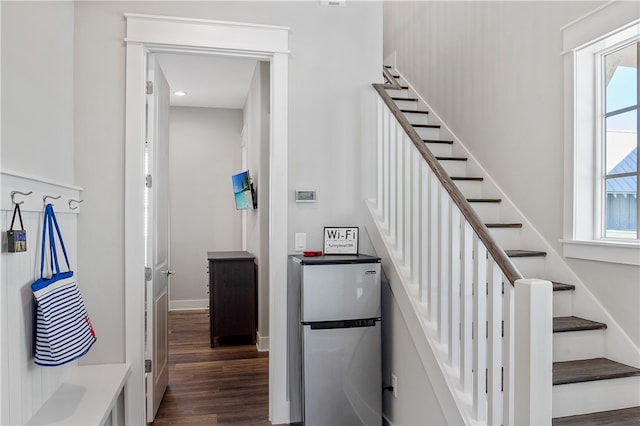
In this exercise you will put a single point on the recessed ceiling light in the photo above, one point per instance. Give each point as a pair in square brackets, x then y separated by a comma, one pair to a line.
[180, 93]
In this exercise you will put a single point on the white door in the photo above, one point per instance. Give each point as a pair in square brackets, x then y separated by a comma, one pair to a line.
[157, 252]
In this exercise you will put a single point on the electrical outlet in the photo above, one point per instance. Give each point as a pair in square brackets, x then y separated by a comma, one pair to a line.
[394, 384]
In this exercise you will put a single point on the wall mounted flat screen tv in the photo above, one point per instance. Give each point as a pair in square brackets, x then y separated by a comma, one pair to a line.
[243, 191]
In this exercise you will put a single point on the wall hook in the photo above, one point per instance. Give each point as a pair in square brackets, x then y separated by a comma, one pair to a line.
[74, 201]
[44, 199]
[13, 193]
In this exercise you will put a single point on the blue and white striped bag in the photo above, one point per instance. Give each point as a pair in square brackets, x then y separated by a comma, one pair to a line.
[63, 330]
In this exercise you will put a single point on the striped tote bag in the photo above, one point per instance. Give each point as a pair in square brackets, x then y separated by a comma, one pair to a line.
[63, 331]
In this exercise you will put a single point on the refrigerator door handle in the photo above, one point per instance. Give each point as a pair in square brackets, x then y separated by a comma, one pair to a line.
[328, 325]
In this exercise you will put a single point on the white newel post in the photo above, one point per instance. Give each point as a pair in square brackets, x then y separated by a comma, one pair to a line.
[533, 352]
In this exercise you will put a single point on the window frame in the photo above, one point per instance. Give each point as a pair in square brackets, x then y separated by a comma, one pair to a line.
[585, 41]
[604, 139]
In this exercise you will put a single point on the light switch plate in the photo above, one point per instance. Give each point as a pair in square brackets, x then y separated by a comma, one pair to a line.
[301, 241]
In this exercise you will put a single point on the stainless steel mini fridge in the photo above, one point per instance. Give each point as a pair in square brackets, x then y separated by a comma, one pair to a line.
[334, 340]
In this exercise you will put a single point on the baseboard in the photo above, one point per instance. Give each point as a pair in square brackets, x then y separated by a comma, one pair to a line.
[188, 305]
[262, 342]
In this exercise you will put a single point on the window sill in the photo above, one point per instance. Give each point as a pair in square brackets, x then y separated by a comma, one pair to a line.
[626, 253]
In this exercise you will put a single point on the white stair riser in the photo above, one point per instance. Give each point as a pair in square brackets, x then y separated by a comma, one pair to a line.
[440, 149]
[506, 237]
[530, 267]
[454, 168]
[404, 93]
[599, 395]
[562, 303]
[428, 132]
[488, 212]
[574, 345]
[405, 104]
[470, 189]
[417, 118]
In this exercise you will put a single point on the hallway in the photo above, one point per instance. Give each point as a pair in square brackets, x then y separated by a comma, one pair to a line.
[228, 385]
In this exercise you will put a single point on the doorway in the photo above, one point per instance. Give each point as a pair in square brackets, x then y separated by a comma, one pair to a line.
[155, 34]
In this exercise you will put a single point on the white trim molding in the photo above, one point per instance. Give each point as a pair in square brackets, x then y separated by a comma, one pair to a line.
[262, 343]
[583, 39]
[150, 33]
[603, 251]
[37, 188]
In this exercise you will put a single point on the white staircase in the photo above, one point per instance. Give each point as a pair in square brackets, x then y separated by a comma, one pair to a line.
[414, 221]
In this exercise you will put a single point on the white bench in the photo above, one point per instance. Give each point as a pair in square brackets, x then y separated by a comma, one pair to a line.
[87, 396]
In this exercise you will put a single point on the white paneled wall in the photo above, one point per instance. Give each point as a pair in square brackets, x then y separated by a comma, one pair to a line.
[26, 386]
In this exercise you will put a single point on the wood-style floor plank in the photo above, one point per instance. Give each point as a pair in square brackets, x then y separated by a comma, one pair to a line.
[226, 385]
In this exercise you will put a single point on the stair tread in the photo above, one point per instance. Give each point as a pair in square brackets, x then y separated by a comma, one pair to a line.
[503, 225]
[473, 178]
[451, 158]
[562, 287]
[426, 126]
[436, 141]
[562, 324]
[414, 111]
[398, 98]
[586, 370]
[484, 200]
[525, 253]
[624, 416]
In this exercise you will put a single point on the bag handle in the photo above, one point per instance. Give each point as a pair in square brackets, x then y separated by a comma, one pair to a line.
[49, 222]
[16, 210]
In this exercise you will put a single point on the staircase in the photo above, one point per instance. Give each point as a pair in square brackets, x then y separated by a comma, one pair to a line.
[588, 386]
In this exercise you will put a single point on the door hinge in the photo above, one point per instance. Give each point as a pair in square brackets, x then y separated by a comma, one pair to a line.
[149, 87]
[147, 366]
[148, 274]
[148, 181]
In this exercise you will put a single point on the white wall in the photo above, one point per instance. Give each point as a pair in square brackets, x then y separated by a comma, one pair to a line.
[329, 80]
[37, 140]
[204, 152]
[493, 72]
[37, 89]
[256, 121]
[416, 402]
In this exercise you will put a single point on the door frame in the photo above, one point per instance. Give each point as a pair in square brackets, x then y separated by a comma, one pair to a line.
[147, 33]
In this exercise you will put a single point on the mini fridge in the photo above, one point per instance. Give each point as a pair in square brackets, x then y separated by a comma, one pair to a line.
[334, 340]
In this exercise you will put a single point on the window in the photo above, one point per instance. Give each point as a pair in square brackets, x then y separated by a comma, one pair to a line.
[601, 135]
[620, 142]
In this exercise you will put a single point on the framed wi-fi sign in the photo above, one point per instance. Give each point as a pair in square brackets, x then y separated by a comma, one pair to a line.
[341, 240]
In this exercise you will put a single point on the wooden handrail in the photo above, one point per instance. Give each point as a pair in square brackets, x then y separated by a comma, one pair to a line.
[496, 252]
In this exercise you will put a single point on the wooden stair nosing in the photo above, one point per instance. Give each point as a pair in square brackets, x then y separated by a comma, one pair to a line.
[437, 141]
[623, 416]
[414, 111]
[387, 66]
[572, 323]
[468, 178]
[484, 200]
[503, 225]
[399, 98]
[451, 158]
[525, 253]
[587, 370]
[426, 126]
[562, 287]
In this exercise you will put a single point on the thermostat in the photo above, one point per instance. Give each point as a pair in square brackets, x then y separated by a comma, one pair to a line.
[305, 196]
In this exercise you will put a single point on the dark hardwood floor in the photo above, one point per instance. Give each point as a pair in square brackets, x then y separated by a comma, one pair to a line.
[227, 385]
